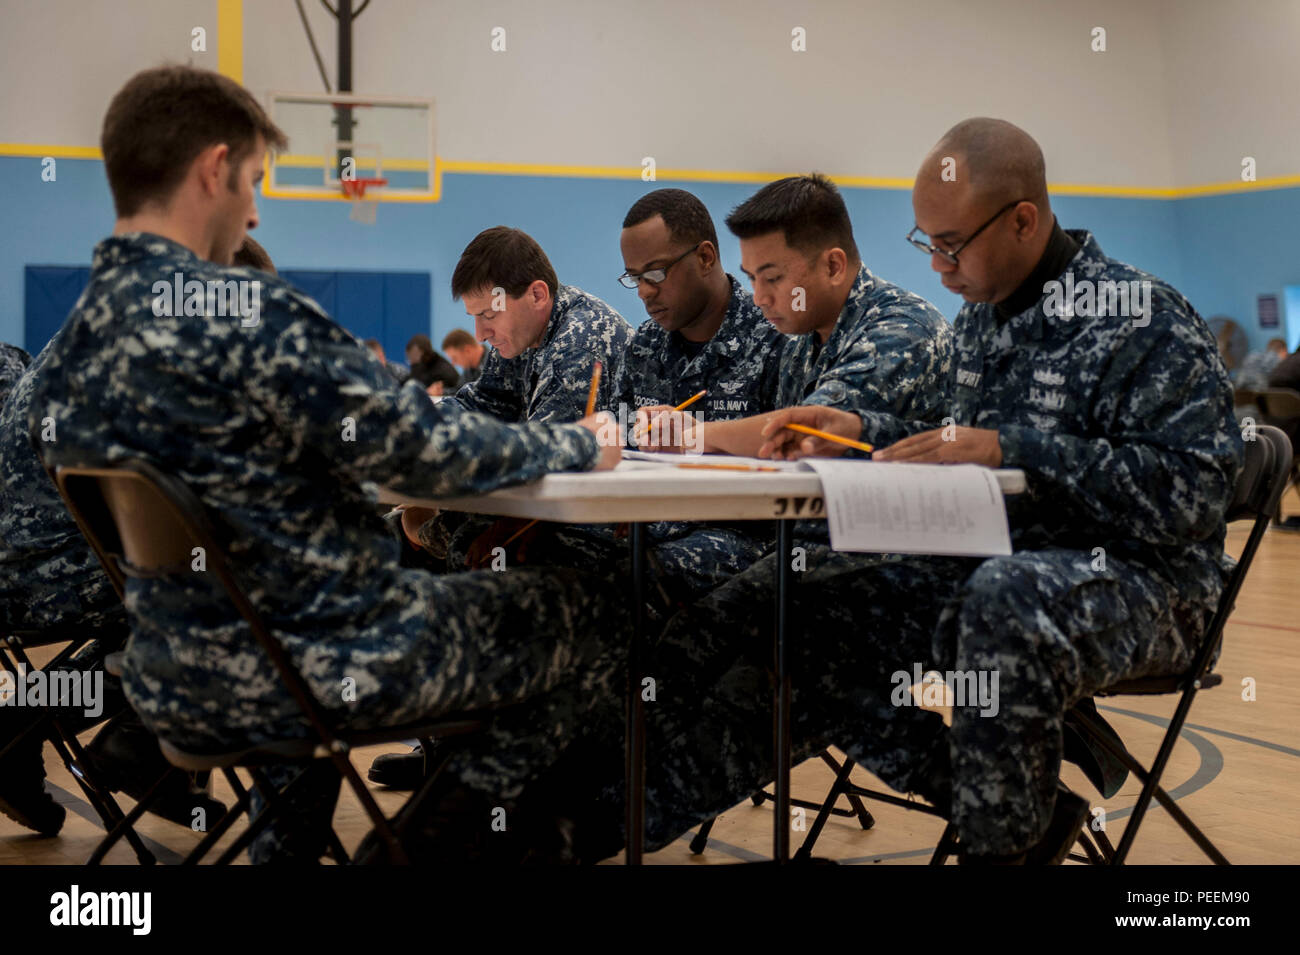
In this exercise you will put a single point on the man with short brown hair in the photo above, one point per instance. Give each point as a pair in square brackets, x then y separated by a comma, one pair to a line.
[281, 424]
[546, 339]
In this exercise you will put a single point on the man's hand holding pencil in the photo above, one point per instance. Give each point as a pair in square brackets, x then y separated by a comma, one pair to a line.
[785, 437]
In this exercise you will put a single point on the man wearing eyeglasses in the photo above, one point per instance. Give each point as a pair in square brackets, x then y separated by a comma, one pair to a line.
[546, 339]
[1119, 411]
[704, 333]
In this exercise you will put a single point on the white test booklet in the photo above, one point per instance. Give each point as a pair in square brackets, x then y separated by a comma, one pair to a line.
[892, 508]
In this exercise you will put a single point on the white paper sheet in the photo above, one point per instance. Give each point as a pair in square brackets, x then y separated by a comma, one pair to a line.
[889, 508]
[668, 458]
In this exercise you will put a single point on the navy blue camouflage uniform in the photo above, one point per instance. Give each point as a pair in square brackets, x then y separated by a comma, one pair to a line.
[13, 362]
[50, 580]
[283, 425]
[1123, 426]
[887, 360]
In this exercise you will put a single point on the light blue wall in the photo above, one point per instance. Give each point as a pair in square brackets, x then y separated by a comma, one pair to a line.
[1238, 246]
[1221, 251]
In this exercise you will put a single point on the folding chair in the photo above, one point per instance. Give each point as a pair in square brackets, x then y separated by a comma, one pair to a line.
[1268, 462]
[1280, 407]
[856, 808]
[141, 522]
[1259, 486]
[57, 733]
[1243, 397]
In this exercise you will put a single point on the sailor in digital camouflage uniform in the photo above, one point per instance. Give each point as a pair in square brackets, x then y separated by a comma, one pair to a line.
[546, 339]
[283, 425]
[1121, 419]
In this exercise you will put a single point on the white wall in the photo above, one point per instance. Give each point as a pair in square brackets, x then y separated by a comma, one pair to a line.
[717, 86]
[1234, 77]
[1184, 90]
[61, 61]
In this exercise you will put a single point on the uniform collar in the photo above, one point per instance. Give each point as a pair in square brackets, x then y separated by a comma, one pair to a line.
[1034, 324]
[863, 284]
[118, 250]
[736, 321]
[565, 296]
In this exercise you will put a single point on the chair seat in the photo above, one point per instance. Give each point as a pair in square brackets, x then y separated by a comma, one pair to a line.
[1153, 685]
[298, 750]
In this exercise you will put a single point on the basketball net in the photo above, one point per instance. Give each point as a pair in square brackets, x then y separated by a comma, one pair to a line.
[363, 210]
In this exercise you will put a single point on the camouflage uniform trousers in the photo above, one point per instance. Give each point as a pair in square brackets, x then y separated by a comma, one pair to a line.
[685, 561]
[555, 640]
[1052, 628]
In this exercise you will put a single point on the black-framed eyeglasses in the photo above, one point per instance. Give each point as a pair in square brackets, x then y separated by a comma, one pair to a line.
[653, 276]
[930, 248]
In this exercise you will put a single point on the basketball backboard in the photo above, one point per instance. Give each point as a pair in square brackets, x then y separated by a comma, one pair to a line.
[336, 136]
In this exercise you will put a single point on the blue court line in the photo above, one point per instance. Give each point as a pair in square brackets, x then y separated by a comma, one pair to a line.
[1210, 767]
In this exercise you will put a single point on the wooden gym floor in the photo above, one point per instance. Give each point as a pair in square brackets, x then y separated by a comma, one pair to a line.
[1236, 772]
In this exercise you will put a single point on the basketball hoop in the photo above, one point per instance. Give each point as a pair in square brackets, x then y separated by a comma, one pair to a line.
[363, 209]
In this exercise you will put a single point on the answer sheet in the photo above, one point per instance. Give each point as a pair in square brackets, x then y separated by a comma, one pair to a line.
[888, 508]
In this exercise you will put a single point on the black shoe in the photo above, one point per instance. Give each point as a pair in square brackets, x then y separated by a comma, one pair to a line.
[399, 771]
[22, 788]
[125, 757]
[454, 826]
[1069, 816]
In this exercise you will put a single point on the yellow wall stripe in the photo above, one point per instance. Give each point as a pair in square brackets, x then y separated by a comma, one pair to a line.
[470, 167]
[230, 39]
[58, 152]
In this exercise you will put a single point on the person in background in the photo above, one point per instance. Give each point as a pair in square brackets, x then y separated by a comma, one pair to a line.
[1285, 373]
[13, 362]
[251, 255]
[401, 374]
[430, 369]
[466, 352]
[1257, 366]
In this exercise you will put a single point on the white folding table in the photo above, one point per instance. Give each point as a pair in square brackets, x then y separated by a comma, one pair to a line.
[637, 495]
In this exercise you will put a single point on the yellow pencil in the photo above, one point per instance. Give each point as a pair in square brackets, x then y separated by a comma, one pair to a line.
[728, 467]
[519, 533]
[827, 436]
[595, 387]
[681, 407]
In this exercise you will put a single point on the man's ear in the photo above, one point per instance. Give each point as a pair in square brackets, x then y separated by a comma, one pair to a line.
[836, 264]
[1026, 219]
[540, 293]
[708, 254]
[212, 167]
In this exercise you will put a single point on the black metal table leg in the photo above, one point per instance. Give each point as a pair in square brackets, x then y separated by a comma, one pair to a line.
[635, 729]
[781, 710]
